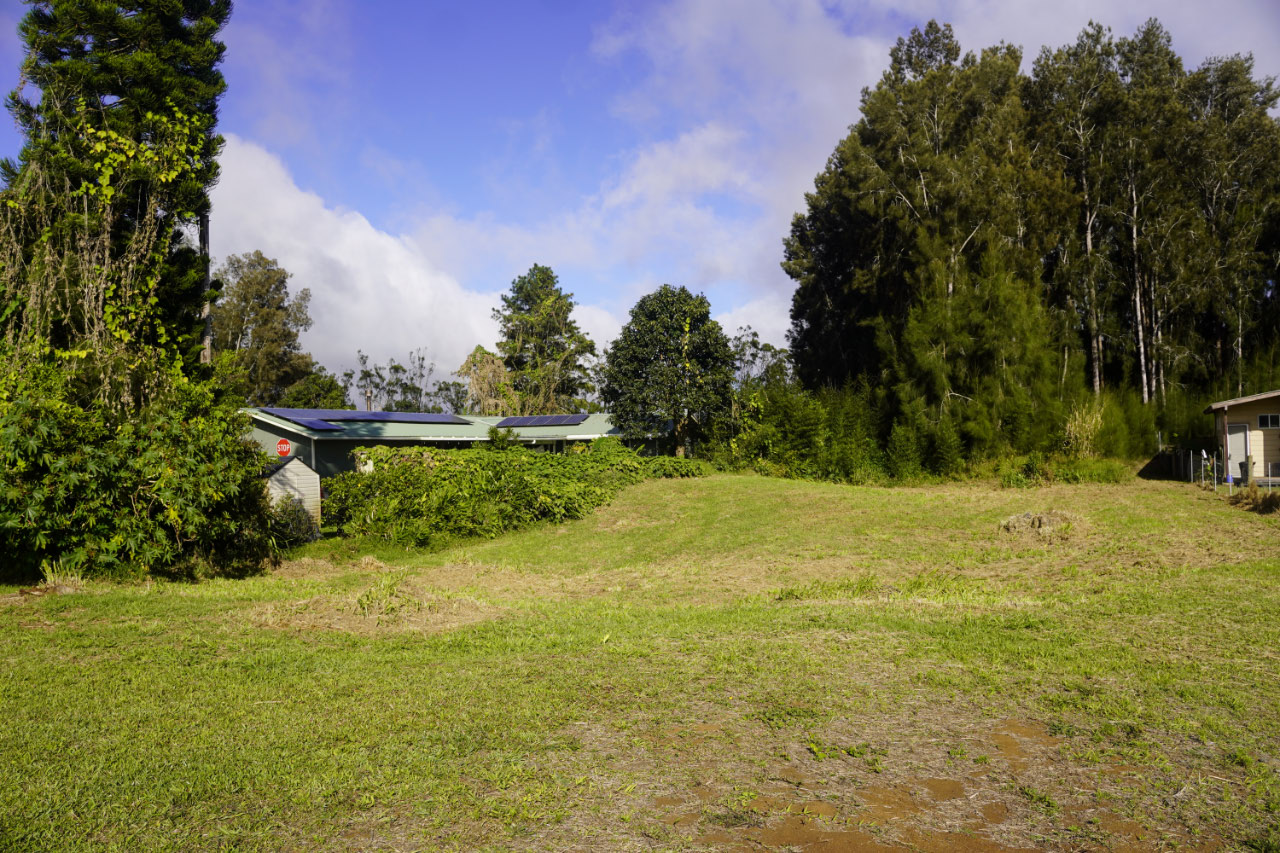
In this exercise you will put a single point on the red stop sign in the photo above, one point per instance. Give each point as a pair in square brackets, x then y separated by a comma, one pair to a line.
[282, 447]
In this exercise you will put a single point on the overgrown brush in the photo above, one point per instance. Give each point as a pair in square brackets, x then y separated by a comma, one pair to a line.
[426, 496]
[1255, 500]
[1021, 472]
[177, 488]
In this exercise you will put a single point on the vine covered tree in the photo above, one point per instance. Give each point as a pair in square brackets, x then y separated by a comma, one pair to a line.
[108, 72]
[670, 365]
[541, 346]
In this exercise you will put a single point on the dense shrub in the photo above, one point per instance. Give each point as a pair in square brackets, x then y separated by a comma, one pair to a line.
[175, 488]
[291, 524]
[425, 496]
[1034, 469]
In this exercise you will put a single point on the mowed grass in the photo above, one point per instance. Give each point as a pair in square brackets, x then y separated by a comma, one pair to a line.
[701, 664]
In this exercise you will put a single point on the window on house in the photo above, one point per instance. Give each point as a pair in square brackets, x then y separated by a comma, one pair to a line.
[1268, 421]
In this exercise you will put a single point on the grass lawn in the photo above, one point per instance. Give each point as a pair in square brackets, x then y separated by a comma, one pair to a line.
[727, 663]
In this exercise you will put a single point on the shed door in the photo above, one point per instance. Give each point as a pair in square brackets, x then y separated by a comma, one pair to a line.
[1238, 451]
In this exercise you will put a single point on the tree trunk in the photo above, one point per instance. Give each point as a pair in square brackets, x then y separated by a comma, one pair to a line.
[206, 313]
[1138, 320]
[1095, 336]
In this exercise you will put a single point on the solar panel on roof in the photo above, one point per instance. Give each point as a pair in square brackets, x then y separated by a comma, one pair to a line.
[541, 421]
[316, 424]
[366, 417]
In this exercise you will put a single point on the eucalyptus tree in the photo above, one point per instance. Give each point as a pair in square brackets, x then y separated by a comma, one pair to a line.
[1073, 98]
[1235, 178]
[929, 225]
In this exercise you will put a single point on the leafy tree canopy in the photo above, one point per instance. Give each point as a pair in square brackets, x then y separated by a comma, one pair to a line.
[671, 365]
[258, 322]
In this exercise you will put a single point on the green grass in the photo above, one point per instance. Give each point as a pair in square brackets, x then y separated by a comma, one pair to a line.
[545, 687]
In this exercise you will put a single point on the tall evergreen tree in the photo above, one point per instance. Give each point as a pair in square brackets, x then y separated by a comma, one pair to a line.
[112, 67]
[542, 347]
[930, 223]
[984, 245]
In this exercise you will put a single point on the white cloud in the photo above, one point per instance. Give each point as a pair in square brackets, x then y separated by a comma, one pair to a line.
[739, 103]
[370, 290]
[769, 315]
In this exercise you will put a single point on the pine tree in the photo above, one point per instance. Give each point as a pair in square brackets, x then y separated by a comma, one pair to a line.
[114, 66]
[542, 347]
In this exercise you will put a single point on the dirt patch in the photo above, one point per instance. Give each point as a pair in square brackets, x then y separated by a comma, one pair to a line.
[1019, 740]
[944, 789]
[887, 805]
[796, 831]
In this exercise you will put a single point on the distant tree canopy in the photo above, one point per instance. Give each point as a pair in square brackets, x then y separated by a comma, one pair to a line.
[671, 365]
[256, 323]
[985, 247]
[542, 348]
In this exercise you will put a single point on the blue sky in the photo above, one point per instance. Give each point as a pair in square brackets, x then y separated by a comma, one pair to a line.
[406, 160]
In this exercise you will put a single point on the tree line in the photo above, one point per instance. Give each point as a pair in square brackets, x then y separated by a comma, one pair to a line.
[988, 257]
[987, 249]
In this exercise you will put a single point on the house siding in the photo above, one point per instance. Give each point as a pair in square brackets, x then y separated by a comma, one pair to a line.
[1264, 444]
[296, 480]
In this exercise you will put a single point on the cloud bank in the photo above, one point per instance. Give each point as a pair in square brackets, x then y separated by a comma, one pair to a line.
[370, 290]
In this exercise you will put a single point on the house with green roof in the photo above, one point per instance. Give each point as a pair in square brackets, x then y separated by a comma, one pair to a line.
[325, 438]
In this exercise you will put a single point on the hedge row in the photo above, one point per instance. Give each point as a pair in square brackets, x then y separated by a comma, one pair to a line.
[426, 496]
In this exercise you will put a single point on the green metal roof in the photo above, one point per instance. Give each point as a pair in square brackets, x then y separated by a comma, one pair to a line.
[595, 426]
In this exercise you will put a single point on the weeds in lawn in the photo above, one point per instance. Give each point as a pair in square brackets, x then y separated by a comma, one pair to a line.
[386, 597]
[58, 579]
[1038, 799]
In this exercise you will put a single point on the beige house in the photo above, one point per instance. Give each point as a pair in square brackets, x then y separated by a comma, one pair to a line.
[1248, 429]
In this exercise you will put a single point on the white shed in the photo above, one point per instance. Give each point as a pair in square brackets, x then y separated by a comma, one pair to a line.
[293, 478]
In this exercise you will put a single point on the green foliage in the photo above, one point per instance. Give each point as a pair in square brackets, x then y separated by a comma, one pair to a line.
[502, 439]
[108, 74]
[178, 488]
[904, 454]
[1128, 428]
[425, 496]
[542, 347]
[786, 431]
[257, 323]
[671, 367]
[317, 390]
[1020, 472]
[984, 245]
[291, 524]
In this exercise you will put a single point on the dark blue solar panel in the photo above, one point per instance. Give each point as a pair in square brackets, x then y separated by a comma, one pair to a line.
[368, 417]
[541, 420]
[317, 425]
